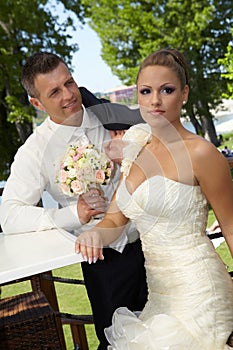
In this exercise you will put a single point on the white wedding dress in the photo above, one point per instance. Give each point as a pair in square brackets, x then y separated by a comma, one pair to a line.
[190, 302]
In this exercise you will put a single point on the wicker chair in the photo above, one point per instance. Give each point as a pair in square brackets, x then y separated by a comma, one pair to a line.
[40, 307]
[27, 321]
[33, 320]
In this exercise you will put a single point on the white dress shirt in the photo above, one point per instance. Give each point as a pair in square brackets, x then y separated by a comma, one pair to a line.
[34, 171]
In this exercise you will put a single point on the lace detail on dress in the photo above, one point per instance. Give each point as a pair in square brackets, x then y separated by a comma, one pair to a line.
[137, 137]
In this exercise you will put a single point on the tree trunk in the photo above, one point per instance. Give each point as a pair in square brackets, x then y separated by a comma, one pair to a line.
[24, 130]
[194, 121]
[209, 130]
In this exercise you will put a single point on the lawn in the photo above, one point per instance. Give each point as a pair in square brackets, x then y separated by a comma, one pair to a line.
[74, 299]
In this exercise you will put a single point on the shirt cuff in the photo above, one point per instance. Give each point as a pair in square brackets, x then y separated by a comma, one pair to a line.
[67, 218]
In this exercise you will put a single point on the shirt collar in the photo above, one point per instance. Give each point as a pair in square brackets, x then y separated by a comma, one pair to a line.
[66, 132]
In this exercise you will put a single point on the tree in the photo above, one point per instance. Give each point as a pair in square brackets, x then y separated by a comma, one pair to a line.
[227, 63]
[130, 30]
[27, 26]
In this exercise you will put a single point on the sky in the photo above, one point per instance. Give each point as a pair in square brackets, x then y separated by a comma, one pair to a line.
[89, 68]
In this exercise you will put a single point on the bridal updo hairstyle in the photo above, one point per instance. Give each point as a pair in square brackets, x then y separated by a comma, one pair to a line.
[170, 58]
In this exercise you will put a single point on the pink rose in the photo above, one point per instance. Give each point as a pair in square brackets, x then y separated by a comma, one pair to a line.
[77, 187]
[77, 157]
[80, 150]
[63, 175]
[100, 176]
[111, 163]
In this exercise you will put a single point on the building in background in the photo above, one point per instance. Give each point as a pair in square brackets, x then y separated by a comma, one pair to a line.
[122, 94]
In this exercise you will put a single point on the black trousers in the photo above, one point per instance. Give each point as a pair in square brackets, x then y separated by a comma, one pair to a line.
[118, 280]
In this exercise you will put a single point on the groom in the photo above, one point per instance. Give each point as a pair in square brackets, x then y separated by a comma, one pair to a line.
[120, 279]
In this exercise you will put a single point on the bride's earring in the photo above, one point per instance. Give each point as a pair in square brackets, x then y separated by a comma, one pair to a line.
[184, 103]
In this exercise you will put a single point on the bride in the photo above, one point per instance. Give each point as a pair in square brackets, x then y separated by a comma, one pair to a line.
[169, 176]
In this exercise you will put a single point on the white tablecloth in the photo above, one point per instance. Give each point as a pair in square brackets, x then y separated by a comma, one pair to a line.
[27, 254]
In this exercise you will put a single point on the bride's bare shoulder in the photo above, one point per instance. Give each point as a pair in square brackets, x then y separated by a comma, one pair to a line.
[201, 149]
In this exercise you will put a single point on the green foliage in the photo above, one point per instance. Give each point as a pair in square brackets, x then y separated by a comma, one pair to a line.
[227, 63]
[18, 112]
[28, 26]
[228, 140]
[201, 29]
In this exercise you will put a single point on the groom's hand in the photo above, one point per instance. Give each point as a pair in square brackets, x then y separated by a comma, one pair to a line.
[90, 204]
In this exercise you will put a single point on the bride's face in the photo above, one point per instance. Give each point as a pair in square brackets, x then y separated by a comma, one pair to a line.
[160, 95]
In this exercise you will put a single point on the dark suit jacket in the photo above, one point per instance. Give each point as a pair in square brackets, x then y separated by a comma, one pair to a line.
[113, 116]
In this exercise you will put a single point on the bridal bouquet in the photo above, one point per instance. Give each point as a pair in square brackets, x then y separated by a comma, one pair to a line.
[82, 168]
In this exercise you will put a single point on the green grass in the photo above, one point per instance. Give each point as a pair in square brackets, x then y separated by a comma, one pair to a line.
[227, 141]
[73, 299]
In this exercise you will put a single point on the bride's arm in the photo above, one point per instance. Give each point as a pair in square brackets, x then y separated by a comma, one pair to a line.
[216, 183]
[90, 243]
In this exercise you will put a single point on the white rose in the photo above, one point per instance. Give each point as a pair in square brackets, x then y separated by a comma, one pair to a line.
[92, 153]
[140, 133]
[72, 173]
[125, 166]
[137, 137]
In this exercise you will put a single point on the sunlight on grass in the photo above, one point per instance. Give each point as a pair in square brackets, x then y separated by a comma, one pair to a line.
[225, 255]
[73, 299]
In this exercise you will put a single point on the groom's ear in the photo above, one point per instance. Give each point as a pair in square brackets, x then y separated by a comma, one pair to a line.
[36, 103]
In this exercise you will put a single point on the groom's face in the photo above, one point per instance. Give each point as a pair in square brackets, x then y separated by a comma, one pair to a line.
[59, 96]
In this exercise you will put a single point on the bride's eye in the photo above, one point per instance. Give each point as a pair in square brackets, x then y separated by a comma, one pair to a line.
[167, 90]
[145, 91]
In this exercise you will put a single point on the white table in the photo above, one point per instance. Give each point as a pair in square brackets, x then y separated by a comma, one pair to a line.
[29, 254]
[26, 254]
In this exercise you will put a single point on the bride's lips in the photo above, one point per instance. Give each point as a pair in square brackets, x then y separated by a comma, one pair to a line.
[156, 112]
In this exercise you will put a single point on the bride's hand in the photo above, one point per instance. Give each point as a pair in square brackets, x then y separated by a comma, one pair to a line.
[90, 245]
